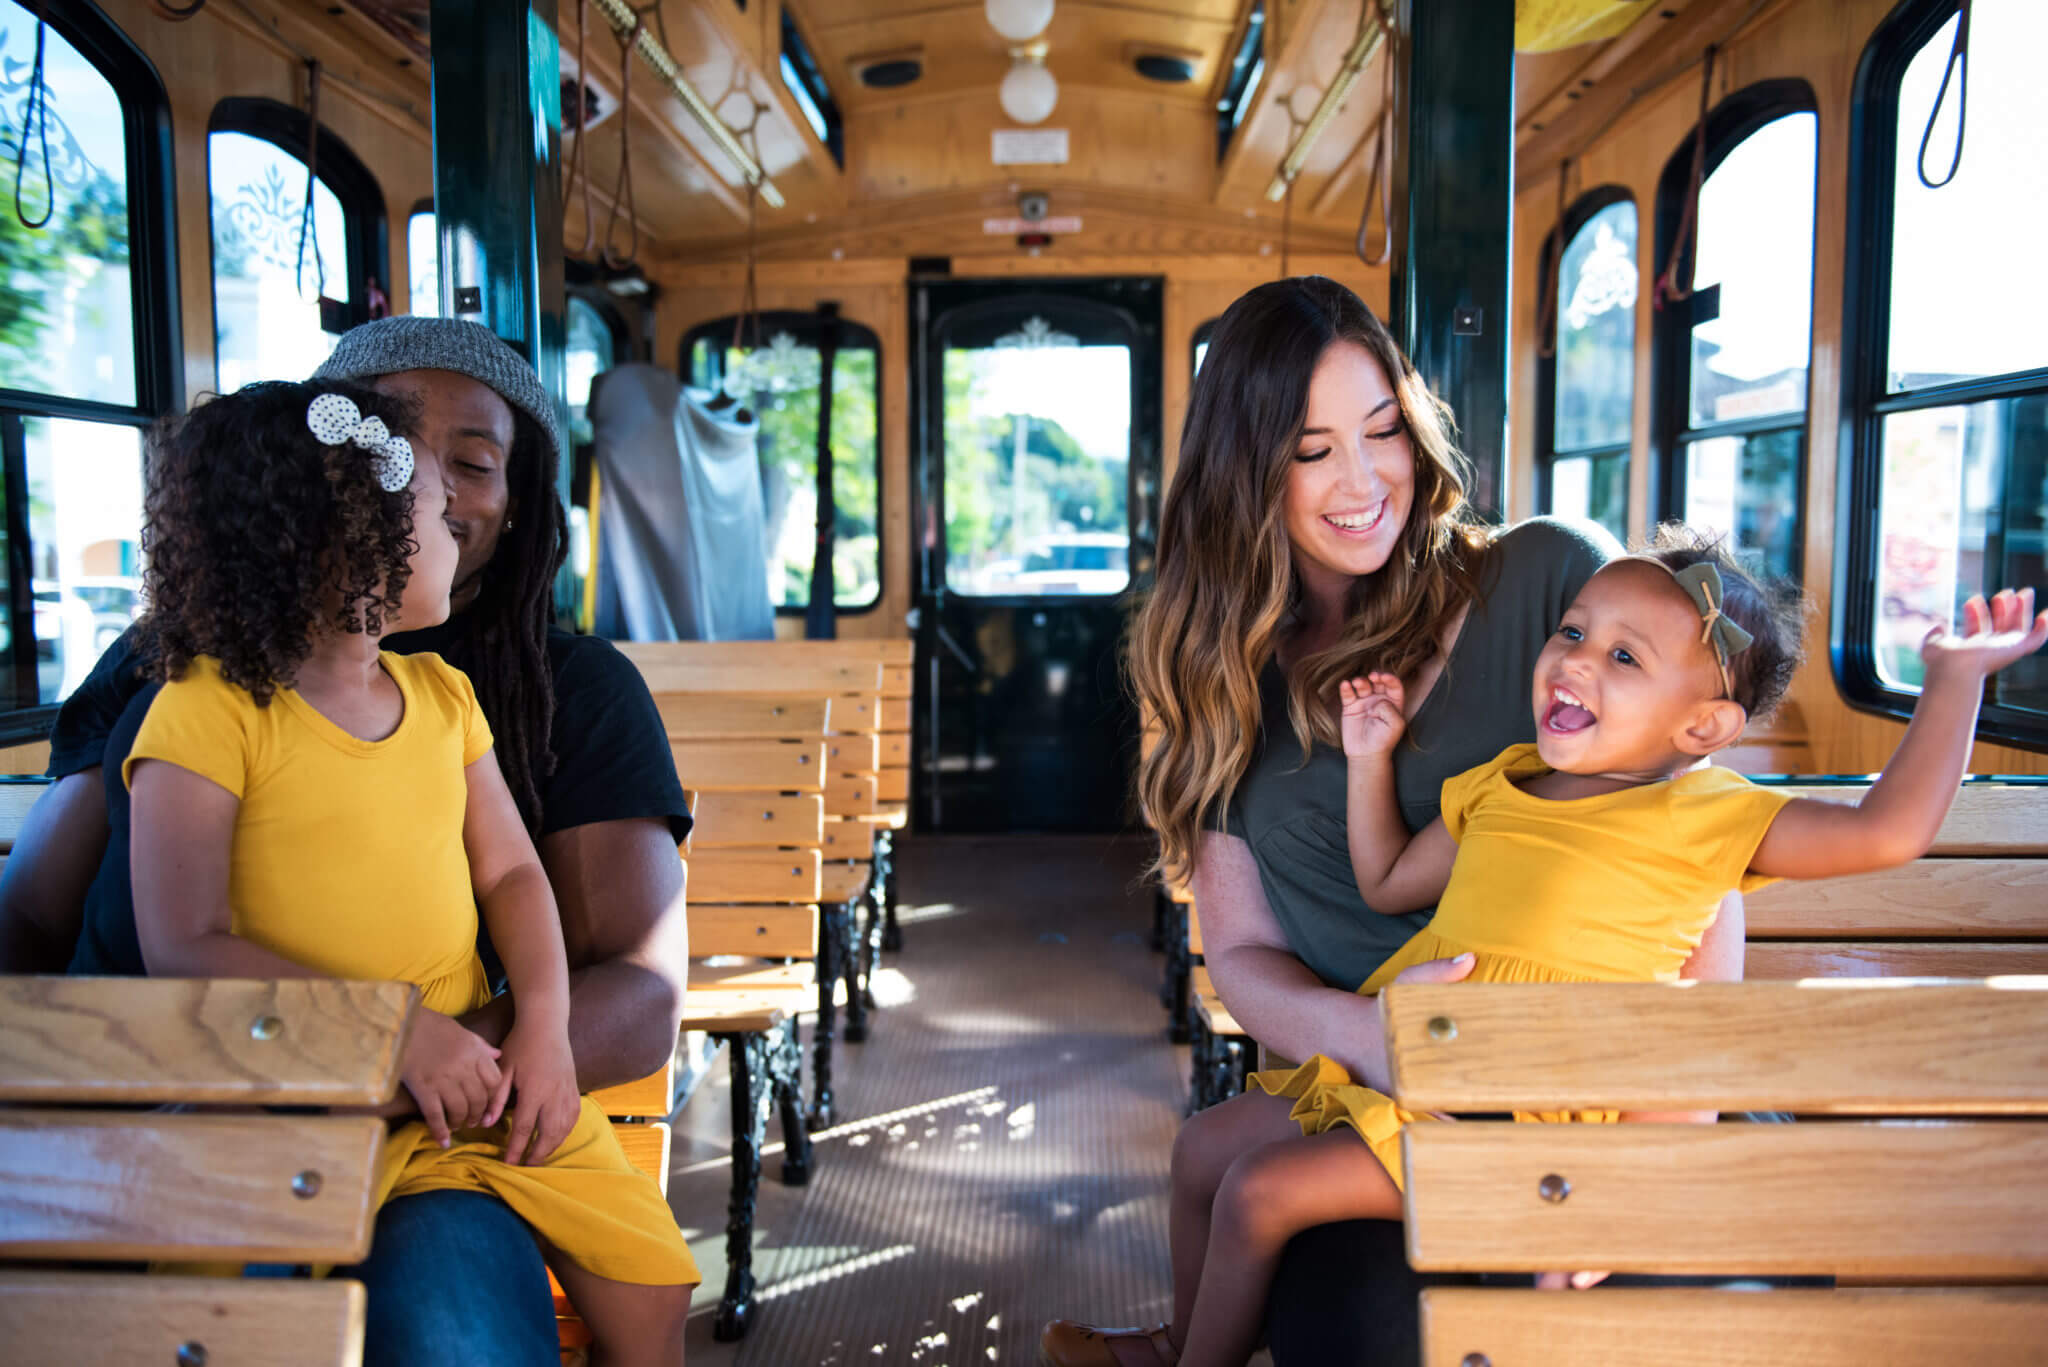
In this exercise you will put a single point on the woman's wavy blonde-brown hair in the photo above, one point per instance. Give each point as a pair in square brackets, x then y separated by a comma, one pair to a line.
[1226, 587]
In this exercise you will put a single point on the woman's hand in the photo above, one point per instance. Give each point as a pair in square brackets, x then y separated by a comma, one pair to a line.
[540, 1080]
[451, 1074]
[1371, 719]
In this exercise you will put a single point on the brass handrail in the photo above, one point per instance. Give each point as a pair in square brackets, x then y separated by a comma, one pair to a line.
[1371, 33]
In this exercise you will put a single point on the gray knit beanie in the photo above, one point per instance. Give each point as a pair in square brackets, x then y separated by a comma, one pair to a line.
[386, 346]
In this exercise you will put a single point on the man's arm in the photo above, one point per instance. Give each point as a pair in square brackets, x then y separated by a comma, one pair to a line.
[620, 888]
[42, 891]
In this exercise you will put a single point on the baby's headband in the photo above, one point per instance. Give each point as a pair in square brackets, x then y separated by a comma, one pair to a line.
[1702, 584]
[335, 420]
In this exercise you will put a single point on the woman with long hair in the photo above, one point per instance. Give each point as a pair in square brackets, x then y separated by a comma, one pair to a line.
[1316, 530]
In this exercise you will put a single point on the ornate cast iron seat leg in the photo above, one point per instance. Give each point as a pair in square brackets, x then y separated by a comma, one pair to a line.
[785, 1073]
[833, 934]
[750, 1099]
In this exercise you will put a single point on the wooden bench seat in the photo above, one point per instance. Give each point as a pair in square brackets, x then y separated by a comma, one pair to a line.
[235, 1183]
[1927, 1174]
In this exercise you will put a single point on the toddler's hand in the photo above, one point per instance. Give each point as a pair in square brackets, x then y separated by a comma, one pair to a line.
[1994, 635]
[450, 1072]
[1371, 719]
[540, 1080]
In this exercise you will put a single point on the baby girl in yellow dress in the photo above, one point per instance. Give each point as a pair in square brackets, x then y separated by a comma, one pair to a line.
[1599, 853]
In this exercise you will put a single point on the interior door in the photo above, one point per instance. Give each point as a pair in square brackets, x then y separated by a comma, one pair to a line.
[1037, 418]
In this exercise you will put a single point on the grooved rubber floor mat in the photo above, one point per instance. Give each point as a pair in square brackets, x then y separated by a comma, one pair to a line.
[1002, 1153]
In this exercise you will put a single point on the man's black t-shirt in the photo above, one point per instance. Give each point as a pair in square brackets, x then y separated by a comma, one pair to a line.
[611, 752]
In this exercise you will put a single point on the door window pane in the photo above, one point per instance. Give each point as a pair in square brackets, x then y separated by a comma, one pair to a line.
[266, 298]
[1038, 441]
[1596, 332]
[85, 553]
[1964, 499]
[780, 383]
[1747, 489]
[1592, 488]
[588, 354]
[1750, 359]
[67, 318]
[423, 264]
[1964, 303]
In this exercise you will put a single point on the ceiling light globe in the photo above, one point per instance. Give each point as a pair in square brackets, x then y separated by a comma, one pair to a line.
[1029, 92]
[1018, 20]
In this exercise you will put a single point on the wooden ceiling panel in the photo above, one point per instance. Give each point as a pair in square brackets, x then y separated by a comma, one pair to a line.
[1089, 46]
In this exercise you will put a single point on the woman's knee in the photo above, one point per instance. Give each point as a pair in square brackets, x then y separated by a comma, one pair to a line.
[1210, 1141]
[1259, 1199]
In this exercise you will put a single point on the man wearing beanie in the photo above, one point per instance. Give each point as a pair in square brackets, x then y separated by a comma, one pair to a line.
[453, 1277]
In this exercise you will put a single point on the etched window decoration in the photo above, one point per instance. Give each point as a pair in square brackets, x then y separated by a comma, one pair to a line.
[1037, 440]
[1596, 332]
[267, 283]
[67, 312]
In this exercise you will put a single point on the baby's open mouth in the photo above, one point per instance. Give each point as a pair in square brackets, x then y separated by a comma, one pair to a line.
[1566, 713]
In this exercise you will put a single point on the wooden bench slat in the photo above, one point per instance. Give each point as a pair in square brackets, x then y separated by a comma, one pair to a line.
[17, 795]
[184, 1188]
[850, 794]
[843, 882]
[854, 714]
[646, 1148]
[759, 931]
[893, 785]
[717, 667]
[755, 876]
[848, 837]
[897, 681]
[728, 820]
[302, 1041]
[893, 816]
[1846, 1047]
[710, 766]
[92, 1318]
[1786, 959]
[1194, 929]
[1950, 1201]
[1985, 819]
[741, 716]
[745, 1012]
[644, 1098]
[895, 751]
[2004, 899]
[753, 976]
[1701, 1327]
[894, 714]
[854, 754]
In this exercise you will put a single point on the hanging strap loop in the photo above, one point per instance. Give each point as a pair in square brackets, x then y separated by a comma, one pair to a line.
[36, 111]
[1379, 183]
[306, 224]
[1670, 289]
[1552, 283]
[1958, 69]
[622, 188]
[578, 161]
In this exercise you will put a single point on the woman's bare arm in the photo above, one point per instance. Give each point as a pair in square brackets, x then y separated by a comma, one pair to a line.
[1276, 997]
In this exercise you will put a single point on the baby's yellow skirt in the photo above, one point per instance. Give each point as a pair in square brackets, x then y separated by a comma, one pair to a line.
[587, 1199]
[1326, 1097]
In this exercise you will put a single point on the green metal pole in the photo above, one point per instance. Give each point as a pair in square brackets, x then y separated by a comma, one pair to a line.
[1454, 165]
[497, 83]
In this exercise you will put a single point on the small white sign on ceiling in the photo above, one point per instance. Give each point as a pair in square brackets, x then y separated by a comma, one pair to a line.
[1028, 146]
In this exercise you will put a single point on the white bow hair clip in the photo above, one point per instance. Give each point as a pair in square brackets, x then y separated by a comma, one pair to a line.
[335, 420]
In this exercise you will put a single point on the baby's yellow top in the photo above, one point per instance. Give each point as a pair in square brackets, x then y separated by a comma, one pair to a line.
[1618, 886]
[348, 854]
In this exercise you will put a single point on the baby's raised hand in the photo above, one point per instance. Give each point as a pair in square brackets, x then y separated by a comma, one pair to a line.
[1994, 634]
[1371, 719]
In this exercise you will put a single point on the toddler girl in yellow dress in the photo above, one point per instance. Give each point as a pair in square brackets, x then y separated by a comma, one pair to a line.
[1599, 853]
[306, 805]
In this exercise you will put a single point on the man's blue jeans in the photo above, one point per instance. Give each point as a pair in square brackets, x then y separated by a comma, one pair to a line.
[455, 1280]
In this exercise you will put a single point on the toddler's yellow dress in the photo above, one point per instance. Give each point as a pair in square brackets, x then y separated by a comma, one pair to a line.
[1615, 888]
[348, 859]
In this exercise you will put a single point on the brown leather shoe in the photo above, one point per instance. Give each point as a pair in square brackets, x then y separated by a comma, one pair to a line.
[1069, 1343]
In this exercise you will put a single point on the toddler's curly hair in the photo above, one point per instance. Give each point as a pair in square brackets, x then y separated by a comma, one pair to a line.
[1773, 613]
[257, 534]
